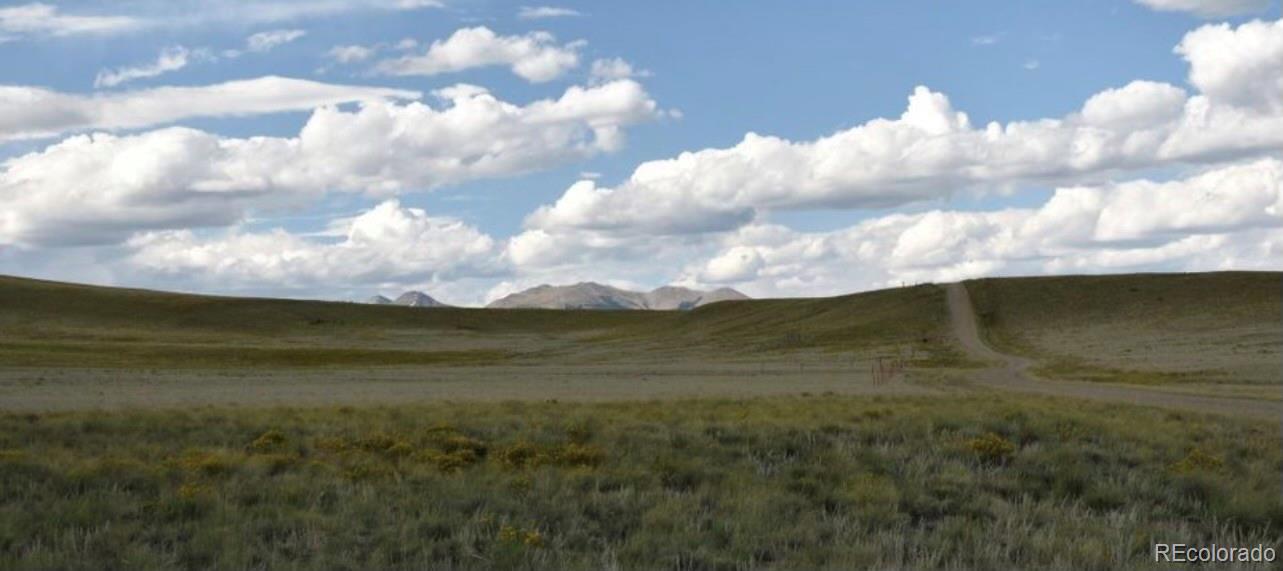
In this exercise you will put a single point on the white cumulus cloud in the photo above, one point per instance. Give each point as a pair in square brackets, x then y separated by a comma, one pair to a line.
[1240, 65]
[535, 56]
[389, 243]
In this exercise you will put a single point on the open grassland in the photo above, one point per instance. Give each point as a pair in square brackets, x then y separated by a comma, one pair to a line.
[1186, 329]
[70, 347]
[65, 325]
[66, 346]
[740, 435]
[1215, 328]
[789, 482]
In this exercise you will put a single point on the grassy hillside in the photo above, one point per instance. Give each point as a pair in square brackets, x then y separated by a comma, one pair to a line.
[985, 482]
[49, 323]
[893, 318]
[1144, 328]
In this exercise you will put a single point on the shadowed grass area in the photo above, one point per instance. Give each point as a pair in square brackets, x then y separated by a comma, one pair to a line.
[822, 482]
[1076, 369]
[216, 356]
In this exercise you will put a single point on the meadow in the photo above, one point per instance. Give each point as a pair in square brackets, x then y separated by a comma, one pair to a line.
[804, 482]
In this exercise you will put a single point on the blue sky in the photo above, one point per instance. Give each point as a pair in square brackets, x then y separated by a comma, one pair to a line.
[797, 71]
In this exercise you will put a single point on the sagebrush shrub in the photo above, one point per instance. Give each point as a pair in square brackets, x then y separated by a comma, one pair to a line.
[209, 463]
[992, 447]
[580, 455]
[268, 441]
[1197, 460]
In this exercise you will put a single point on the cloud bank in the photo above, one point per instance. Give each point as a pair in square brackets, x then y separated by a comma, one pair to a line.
[1224, 218]
[33, 112]
[1208, 8]
[39, 19]
[180, 177]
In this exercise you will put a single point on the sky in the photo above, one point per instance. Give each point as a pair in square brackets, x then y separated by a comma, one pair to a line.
[338, 149]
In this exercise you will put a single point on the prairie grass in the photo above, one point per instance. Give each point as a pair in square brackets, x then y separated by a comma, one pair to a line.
[781, 483]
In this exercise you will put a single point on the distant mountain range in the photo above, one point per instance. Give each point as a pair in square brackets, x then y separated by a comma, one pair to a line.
[408, 299]
[589, 295]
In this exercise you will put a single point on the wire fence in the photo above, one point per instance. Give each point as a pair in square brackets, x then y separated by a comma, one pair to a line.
[885, 368]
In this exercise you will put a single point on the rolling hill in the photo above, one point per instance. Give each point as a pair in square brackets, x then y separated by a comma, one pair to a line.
[1140, 328]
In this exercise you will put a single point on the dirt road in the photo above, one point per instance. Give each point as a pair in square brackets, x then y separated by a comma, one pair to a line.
[1011, 372]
